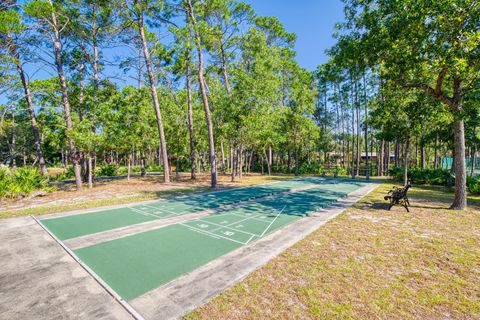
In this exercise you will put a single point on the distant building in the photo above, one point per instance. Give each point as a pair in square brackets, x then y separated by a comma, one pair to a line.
[373, 157]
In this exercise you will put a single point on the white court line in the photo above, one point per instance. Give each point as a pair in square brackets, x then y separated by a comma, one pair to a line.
[227, 225]
[272, 222]
[143, 212]
[248, 241]
[219, 225]
[159, 209]
[254, 217]
[171, 213]
[213, 235]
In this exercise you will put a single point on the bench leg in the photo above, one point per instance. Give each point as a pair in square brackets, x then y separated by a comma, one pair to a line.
[406, 207]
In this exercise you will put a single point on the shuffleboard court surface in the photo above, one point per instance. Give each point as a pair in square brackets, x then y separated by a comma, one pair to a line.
[136, 264]
[69, 227]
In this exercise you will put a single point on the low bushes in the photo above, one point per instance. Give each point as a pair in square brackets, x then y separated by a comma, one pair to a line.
[21, 182]
[422, 176]
[108, 170]
[473, 185]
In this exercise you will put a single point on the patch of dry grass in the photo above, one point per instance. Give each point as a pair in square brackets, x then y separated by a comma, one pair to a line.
[370, 263]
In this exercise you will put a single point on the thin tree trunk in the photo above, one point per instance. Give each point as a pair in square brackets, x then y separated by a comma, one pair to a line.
[381, 158]
[129, 164]
[240, 162]
[269, 160]
[223, 157]
[359, 134]
[65, 99]
[405, 165]
[90, 176]
[234, 160]
[353, 130]
[33, 119]
[289, 159]
[387, 157]
[191, 131]
[153, 90]
[296, 161]
[224, 70]
[460, 201]
[422, 152]
[397, 153]
[268, 164]
[203, 89]
[14, 134]
[367, 168]
[435, 159]
[474, 159]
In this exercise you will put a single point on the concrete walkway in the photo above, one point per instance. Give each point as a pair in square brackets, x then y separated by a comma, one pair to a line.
[39, 280]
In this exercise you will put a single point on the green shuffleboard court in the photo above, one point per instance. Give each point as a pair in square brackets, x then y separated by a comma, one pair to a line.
[136, 264]
[84, 224]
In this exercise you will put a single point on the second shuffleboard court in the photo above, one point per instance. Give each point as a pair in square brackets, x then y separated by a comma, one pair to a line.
[73, 226]
[137, 264]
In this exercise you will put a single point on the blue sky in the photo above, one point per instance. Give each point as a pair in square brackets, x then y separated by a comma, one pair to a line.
[311, 20]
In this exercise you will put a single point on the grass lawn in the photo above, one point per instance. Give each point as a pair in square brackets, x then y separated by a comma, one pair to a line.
[370, 263]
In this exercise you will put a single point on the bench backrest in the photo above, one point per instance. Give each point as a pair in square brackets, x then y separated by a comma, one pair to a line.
[401, 192]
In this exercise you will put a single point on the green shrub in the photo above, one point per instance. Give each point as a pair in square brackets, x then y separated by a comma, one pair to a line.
[473, 185]
[108, 170]
[422, 176]
[154, 168]
[67, 174]
[21, 181]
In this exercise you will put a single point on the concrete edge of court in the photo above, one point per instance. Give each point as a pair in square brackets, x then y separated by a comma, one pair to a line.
[189, 291]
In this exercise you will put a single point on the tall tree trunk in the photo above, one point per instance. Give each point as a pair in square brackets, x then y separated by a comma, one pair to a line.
[203, 89]
[224, 70]
[223, 156]
[28, 98]
[381, 160]
[353, 129]
[90, 176]
[268, 163]
[240, 162]
[289, 160]
[367, 168]
[153, 90]
[269, 160]
[233, 160]
[129, 164]
[405, 164]
[386, 157]
[65, 99]
[397, 153]
[435, 159]
[474, 159]
[359, 134]
[460, 201]
[296, 161]
[14, 136]
[342, 114]
[191, 131]
[422, 152]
